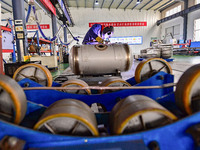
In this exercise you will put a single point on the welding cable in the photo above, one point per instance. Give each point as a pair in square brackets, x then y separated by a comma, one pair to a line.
[34, 10]
[56, 36]
[101, 88]
[28, 13]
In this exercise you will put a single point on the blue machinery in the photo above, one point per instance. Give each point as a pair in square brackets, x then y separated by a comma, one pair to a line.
[175, 136]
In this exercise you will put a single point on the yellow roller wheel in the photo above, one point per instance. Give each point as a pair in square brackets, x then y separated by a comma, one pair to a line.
[35, 72]
[76, 83]
[113, 82]
[138, 113]
[187, 90]
[13, 102]
[150, 67]
[68, 117]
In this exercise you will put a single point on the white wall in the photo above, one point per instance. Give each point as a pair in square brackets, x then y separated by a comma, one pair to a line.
[191, 17]
[82, 17]
[173, 22]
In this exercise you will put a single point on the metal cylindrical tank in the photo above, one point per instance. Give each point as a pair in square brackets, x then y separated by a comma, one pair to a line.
[100, 59]
[68, 117]
[166, 51]
[151, 53]
[137, 113]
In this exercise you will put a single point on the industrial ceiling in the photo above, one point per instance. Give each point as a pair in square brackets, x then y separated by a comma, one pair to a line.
[156, 5]
[122, 4]
[109, 4]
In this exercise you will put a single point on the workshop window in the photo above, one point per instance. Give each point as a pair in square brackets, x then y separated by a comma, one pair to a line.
[173, 11]
[197, 1]
[197, 30]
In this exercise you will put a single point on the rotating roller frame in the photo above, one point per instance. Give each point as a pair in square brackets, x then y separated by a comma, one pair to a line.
[13, 102]
[35, 72]
[76, 83]
[138, 113]
[68, 117]
[113, 82]
[150, 67]
[187, 90]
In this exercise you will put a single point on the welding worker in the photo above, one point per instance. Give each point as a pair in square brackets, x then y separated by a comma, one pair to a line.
[98, 33]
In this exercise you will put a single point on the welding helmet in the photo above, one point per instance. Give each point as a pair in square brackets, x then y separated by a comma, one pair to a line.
[107, 32]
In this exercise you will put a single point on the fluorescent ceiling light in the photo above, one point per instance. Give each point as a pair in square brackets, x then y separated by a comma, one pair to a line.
[138, 1]
[96, 2]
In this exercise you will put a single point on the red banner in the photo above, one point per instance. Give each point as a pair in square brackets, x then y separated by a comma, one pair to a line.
[120, 24]
[34, 27]
[49, 5]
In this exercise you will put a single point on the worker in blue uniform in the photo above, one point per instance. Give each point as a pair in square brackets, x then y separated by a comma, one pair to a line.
[97, 34]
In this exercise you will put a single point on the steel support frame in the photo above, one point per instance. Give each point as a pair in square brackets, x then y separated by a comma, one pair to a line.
[19, 14]
[1, 53]
[185, 21]
[181, 13]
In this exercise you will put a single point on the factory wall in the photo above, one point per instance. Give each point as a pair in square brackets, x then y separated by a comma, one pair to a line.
[179, 21]
[83, 16]
[191, 17]
[175, 5]
[171, 23]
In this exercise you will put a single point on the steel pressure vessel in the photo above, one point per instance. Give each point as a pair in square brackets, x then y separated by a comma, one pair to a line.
[100, 59]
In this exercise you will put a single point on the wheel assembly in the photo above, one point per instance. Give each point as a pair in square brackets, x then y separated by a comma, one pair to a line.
[150, 67]
[13, 102]
[76, 83]
[113, 82]
[35, 72]
[138, 113]
[68, 117]
[187, 94]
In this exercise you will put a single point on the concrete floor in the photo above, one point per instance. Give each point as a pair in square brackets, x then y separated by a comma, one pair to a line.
[178, 65]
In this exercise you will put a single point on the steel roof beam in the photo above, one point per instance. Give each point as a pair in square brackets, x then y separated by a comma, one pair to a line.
[155, 4]
[102, 4]
[163, 5]
[94, 3]
[174, 2]
[145, 4]
[67, 3]
[128, 4]
[6, 9]
[136, 5]
[120, 4]
[77, 3]
[6, 3]
[110, 4]
[85, 3]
